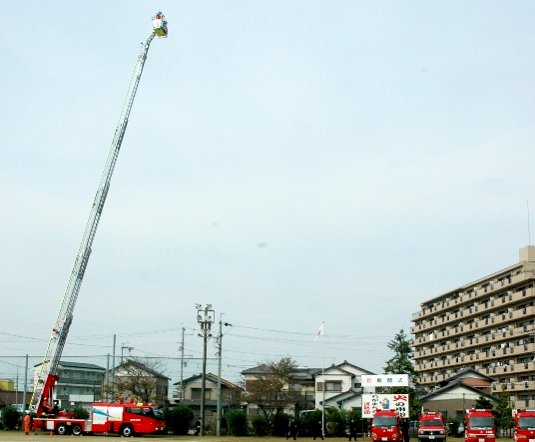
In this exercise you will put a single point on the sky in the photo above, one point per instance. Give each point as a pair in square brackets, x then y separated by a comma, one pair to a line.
[286, 162]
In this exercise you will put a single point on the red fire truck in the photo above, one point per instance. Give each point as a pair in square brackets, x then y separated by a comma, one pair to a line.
[125, 419]
[479, 426]
[524, 425]
[431, 426]
[386, 426]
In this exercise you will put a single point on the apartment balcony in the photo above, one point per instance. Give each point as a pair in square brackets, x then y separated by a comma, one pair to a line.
[514, 387]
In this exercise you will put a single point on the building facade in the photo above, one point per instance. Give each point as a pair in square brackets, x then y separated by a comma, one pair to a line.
[79, 384]
[192, 396]
[486, 325]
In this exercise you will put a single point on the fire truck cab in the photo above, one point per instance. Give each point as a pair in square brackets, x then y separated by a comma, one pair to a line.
[524, 425]
[431, 426]
[479, 426]
[386, 426]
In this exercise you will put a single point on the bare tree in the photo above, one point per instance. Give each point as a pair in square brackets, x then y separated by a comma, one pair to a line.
[272, 391]
[138, 379]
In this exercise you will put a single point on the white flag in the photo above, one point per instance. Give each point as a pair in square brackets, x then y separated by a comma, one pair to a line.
[319, 332]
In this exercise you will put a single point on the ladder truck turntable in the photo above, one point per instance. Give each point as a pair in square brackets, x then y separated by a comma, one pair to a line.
[46, 379]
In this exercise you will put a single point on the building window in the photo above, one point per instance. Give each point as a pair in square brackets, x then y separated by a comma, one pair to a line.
[333, 386]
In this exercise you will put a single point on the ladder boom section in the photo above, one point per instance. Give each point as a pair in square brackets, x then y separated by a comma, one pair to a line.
[60, 330]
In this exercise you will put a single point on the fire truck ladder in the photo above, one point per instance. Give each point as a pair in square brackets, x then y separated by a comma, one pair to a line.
[46, 378]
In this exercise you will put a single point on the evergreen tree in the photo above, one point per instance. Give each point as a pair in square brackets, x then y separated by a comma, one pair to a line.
[401, 363]
[503, 413]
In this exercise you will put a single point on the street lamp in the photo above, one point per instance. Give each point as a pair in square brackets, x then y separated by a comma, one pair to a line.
[205, 318]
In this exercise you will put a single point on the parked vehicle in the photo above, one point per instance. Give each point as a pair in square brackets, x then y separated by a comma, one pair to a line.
[126, 419]
[386, 426]
[524, 425]
[479, 426]
[431, 426]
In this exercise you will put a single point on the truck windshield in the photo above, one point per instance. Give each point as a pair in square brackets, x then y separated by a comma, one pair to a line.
[525, 423]
[431, 423]
[384, 421]
[158, 413]
[481, 422]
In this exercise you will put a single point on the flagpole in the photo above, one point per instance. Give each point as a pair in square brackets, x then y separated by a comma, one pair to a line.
[324, 381]
[319, 333]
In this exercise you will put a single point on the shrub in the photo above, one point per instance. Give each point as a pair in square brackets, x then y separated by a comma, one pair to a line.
[236, 423]
[178, 419]
[260, 425]
[10, 417]
[80, 413]
[280, 424]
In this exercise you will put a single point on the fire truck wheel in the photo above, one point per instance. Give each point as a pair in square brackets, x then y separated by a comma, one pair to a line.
[126, 431]
[76, 430]
[61, 429]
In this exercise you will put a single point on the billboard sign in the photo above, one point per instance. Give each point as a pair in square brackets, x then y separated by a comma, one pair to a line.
[373, 402]
[385, 380]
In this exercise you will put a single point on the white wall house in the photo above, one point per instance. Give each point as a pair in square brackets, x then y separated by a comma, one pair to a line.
[340, 386]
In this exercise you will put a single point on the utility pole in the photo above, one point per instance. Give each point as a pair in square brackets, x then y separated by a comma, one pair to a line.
[220, 356]
[123, 346]
[205, 318]
[181, 395]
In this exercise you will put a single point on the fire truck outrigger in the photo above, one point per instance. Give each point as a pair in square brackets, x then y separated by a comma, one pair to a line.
[46, 379]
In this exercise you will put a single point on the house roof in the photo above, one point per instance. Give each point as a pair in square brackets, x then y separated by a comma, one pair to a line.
[141, 366]
[305, 371]
[68, 364]
[342, 397]
[355, 367]
[211, 377]
[457, 383]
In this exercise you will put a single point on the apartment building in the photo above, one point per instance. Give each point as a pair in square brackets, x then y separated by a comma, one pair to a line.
[486, 325]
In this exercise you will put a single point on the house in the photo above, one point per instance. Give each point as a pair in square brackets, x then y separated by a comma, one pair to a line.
[301, 387]
[456, 394]
[336, 386]
[340, 386]
[16, 398]
[192, 394]
[137, 380]
[79, 383]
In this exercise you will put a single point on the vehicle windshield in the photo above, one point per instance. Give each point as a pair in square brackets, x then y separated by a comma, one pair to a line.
[384, 421]
[481, 422]
[158, 413]
[526, 422]
[431, 423]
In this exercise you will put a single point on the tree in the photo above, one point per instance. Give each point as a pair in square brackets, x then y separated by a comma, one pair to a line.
[503, 412]
[271, 391]
[401, 363]
[483, 402]
[137, 379]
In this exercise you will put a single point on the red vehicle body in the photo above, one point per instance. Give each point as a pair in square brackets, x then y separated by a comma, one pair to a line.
[431, 426]
[386, 426]
[125, 419]
[479, 426]
[524, 425]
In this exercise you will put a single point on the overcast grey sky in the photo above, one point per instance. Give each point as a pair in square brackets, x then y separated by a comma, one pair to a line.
[286, 161]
